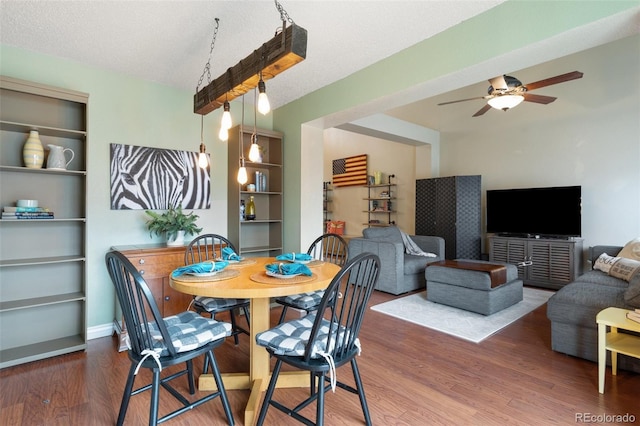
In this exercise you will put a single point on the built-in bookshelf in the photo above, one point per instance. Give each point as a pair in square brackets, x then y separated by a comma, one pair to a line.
[42, 267]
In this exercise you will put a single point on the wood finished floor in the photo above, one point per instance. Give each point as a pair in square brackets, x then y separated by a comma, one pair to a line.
[412, 376]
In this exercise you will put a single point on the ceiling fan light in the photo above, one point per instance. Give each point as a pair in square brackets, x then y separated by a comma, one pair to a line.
[505, 102]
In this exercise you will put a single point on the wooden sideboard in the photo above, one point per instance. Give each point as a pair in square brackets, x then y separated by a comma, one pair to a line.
[155, 262]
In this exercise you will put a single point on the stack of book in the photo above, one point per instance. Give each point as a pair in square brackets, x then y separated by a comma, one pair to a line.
[634, 315]
[17, 213]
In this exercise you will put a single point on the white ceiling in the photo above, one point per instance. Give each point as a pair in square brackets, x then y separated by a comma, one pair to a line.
[169, 41]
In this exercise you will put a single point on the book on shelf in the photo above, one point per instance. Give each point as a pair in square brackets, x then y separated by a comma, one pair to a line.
[14, 209]
[27, 215]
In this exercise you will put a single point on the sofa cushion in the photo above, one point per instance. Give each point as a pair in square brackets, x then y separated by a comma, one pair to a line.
[390, 233]
[619, 267]
[601, 278]
[578, 303]
[632, 294]
[631, 250]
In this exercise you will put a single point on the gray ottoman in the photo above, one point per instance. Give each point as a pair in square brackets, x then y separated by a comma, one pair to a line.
[474, 285]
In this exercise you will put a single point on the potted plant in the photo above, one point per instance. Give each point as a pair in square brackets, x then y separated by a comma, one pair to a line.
[174, 224]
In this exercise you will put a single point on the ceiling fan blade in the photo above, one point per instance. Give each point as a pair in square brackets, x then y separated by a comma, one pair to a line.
[499, 83]
[482, 110]
[462, 100]
[554, 80]
[539, 99]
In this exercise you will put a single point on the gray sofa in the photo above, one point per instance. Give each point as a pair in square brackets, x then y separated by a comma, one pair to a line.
[573, 309]
[399, 272]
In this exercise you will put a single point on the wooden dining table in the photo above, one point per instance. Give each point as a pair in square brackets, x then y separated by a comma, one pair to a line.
[247, 279]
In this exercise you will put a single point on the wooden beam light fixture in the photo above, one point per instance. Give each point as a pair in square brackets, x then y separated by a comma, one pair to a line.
[284, 50]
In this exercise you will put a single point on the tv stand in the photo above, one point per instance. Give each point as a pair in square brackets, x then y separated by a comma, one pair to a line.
[543, 262]
[533, 236]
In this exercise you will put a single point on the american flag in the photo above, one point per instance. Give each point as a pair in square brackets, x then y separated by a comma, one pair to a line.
[350, 171]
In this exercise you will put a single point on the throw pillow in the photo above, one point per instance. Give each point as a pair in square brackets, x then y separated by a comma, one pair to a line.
[632, 294]
[618, 267]
[631, 250]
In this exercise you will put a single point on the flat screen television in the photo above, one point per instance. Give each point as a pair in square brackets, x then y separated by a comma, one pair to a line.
[533, 212]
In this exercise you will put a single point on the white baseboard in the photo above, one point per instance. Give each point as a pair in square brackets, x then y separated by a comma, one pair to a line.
[103, 330]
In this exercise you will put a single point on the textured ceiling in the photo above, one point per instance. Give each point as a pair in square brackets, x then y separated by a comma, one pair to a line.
[169, 42]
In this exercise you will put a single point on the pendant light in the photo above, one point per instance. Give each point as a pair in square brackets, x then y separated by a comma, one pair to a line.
[254, 151]
[203, 161]
[263, 101]
[242, 170]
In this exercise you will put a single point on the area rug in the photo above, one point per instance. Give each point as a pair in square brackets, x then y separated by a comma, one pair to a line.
[457, 322]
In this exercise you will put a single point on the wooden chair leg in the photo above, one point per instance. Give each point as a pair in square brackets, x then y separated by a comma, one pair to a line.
[363, 399]
[234, 326]
[223, 394]
[269, 394]
[126, 396]
[320, 402]
[155, 398]
[283, 314]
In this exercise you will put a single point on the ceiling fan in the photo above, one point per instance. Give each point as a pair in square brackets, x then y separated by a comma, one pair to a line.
[506, 92]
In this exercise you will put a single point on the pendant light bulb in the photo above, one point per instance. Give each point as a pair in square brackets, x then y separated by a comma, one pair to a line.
[203, 161]
[263, 101]
[254, 151]
[223, 135]
[242, 173]
[226, 122]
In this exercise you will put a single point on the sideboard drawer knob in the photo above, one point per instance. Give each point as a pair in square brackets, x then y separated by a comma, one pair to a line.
[141, 261]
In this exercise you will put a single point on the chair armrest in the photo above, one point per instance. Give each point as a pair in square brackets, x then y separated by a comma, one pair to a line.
[430, 244]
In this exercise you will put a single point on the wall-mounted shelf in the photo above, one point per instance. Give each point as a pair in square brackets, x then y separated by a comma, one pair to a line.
[380, 204]
[326, 202]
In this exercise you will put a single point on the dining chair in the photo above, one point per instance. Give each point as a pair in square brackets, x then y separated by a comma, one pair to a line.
[156, 343]
[209, 247]
[327, 248]
[323, 341]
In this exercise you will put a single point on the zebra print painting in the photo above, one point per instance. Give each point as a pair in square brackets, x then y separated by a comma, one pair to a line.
[156, 179]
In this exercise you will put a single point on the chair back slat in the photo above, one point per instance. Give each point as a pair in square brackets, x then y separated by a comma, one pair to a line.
[206, 247]
[330, 248]
[343, 306]
[138, 306]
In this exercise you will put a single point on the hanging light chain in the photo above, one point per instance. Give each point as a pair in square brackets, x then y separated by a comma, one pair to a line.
[284, 16]
[207, 67]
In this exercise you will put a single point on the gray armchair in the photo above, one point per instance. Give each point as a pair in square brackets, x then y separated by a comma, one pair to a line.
[399, 272]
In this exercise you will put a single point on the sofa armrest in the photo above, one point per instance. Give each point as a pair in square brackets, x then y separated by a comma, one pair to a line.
[596, 251]
[430, 244]
[391, 257]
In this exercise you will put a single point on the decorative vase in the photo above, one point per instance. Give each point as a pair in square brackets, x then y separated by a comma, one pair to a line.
[177, 241]
[32, 152]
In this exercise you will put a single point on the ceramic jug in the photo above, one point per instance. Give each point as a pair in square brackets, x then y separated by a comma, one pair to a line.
[57, 158]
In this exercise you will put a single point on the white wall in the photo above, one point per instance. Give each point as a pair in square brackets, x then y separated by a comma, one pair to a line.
[385, 156]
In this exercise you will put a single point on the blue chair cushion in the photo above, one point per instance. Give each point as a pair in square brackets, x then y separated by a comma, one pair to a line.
[215, 304]
[303, 301]
[188, 331]
[291, 337]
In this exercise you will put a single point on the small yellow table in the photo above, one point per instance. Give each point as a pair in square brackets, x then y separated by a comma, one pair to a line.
[613, 341]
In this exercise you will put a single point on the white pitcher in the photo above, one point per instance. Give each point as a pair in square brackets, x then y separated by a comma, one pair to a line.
[57, 158]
